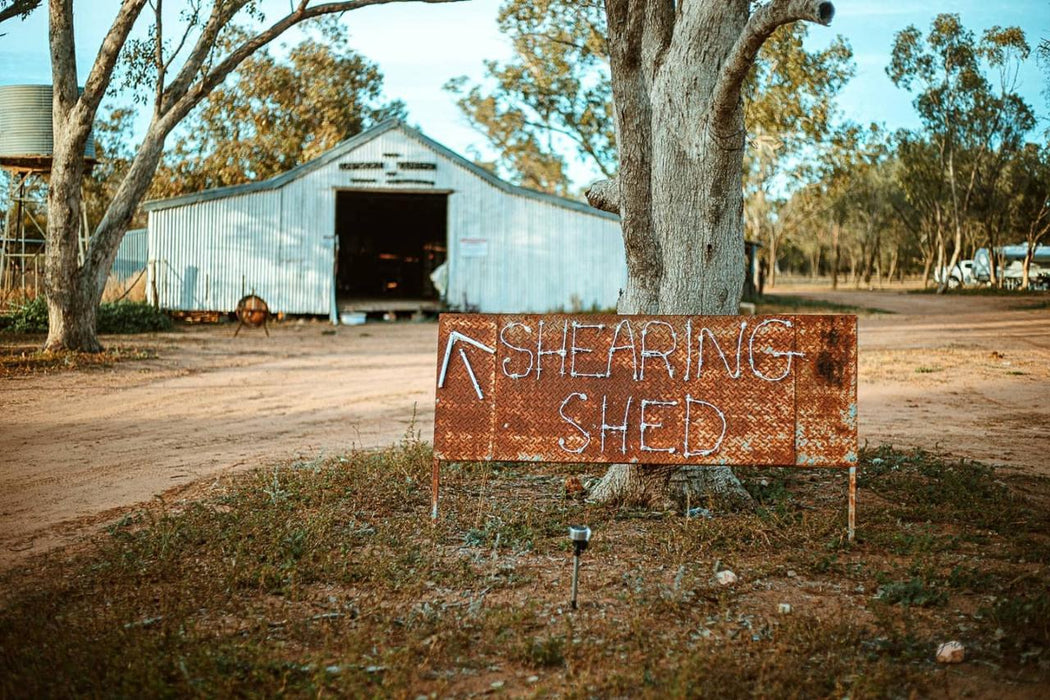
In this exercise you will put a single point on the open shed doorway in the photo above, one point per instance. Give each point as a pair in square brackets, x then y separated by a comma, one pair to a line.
[389, 244]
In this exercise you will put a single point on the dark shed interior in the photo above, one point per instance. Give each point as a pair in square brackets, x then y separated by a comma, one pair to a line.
[389, 243]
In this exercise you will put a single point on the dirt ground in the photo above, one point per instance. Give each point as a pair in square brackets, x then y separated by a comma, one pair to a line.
[967, 376]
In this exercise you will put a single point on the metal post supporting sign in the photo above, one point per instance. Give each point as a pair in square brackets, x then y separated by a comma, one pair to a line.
[852, 502]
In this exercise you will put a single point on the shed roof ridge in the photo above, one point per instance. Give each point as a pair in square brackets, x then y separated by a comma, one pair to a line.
[356, 141]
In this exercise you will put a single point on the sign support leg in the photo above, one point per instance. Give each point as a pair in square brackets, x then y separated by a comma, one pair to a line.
[575, 577]
[852, 502]
[434, 490]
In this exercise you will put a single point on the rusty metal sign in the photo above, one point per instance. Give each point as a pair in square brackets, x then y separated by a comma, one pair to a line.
[733, 390]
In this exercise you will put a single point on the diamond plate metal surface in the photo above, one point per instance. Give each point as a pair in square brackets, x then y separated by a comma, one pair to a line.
[735, 390]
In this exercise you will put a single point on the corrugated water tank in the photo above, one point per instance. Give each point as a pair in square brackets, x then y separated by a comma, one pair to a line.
[25, 123]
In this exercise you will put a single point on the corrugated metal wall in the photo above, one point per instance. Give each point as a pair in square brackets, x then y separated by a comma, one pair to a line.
[132, 254]
[207, 255]
[508, 252]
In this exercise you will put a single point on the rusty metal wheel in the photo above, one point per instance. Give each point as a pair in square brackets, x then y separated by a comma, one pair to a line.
[252, 311]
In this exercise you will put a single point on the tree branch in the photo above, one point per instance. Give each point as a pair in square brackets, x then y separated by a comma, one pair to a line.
[194, 15]
[562, 42]
[574, 134]
[158, 52]
[184, 94]
[63, 56]
[626, 23]
[605, 195]
[19, 8]
[102, 70]
[74, 114]
[762, 23]
[198, 55]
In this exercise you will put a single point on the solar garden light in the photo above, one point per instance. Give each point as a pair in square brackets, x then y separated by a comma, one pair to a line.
[580, 536]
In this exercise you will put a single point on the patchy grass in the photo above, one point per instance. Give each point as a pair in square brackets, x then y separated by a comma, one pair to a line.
[790, 304]
[1035, 305]
[326, 576]
[18, 360]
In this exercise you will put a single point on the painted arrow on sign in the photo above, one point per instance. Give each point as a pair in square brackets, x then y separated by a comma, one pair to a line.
[452, 338]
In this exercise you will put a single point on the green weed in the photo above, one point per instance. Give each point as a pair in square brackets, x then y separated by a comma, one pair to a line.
[112, 318]
[914, 592]
[781, 303]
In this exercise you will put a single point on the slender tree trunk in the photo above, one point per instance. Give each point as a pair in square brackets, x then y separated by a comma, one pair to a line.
[771, 278]
[993, 267]
[1026, 264]
[11, 217]
[876, 256]
[71, 301]
[940, 257]
[837, 258]
[70, 304]
[957, 232]
[927, 257]
[871, 257]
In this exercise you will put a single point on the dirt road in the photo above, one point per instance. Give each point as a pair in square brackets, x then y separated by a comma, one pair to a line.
[964, 375]
[76, 446]
[967, 376]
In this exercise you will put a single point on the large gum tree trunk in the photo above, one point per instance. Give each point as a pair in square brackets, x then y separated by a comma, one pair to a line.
[676, 75]
[73, 290]
[71, 304]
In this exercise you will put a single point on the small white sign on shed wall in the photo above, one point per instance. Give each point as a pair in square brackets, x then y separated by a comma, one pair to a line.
[474, 247]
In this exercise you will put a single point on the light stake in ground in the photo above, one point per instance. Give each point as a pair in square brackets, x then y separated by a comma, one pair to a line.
[580, 536]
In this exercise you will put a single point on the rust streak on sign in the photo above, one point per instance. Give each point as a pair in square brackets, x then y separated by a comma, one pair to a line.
[735, 390]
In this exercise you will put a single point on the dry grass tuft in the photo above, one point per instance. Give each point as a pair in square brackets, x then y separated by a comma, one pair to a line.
[21, 360]
[131, 288]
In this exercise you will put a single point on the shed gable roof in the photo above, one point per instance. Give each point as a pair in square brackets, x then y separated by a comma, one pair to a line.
[355, 142]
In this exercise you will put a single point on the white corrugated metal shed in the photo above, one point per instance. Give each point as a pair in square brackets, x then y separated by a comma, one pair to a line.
[509, 249]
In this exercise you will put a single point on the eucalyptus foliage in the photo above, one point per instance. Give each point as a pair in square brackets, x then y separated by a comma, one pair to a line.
[275, 113]
[554, 97]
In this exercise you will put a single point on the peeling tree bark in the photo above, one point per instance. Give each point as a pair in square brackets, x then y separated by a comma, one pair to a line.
[677, 72]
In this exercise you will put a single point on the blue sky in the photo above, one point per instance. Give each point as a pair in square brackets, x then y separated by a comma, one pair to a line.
[419, 47]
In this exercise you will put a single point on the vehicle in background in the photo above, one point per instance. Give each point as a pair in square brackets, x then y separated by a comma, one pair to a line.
[1011, 266]
[961, 275]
